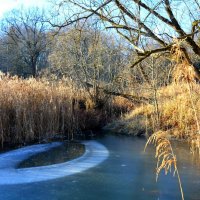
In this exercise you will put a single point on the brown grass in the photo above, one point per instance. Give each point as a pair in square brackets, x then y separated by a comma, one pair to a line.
[184, 71]
[38, 109]
[166, 159]
[178, 106]
[32, 110]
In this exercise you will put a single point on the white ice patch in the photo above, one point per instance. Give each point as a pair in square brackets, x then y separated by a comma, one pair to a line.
[95, 153]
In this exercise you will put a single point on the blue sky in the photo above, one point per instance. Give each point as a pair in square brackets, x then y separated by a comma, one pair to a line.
[7, 5]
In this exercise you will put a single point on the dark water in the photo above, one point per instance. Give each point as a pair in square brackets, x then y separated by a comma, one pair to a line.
[128, 174]
[59, 154]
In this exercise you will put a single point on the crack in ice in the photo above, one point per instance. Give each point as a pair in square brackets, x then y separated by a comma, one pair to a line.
[95, 153]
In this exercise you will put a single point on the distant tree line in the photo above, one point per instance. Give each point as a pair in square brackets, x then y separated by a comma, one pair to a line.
[107, 46]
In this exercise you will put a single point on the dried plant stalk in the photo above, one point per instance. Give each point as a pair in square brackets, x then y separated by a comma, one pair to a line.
[184, 70]
[166, 159]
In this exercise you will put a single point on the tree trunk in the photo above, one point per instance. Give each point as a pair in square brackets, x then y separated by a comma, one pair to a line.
[34, 67]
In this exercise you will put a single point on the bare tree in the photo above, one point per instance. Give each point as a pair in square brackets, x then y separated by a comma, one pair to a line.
[88, 57]
[26, 31]
[151, 27]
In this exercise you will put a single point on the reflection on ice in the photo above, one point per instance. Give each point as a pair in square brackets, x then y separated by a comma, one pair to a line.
[95, 153]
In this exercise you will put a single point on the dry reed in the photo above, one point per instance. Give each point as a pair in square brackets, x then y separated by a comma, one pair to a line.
[166, 159]
[40, 109]
[33, 109]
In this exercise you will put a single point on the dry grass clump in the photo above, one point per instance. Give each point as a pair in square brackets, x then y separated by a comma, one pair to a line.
[183, 70]
[164, 152]
[180, 114]
[121, 104]
[166, 159]
[178, 107]
[195, 144]
[33, 109]
[146, 109]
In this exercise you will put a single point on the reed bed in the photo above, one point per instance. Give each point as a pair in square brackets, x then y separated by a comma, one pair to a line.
[36, 110]
[33, 109]
[179, 111]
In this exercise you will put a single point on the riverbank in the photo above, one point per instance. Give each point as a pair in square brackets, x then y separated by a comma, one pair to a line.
[38, 110]
[175, 111]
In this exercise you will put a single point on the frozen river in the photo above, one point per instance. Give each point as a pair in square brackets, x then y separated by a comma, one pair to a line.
[112, 167]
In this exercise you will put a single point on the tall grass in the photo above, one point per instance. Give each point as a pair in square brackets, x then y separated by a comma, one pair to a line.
[32, 109]
[38, 109]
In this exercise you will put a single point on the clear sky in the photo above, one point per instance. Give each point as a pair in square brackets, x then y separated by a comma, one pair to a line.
[6, 5]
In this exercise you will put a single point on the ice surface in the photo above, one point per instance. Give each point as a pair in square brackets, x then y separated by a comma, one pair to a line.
[95, 153]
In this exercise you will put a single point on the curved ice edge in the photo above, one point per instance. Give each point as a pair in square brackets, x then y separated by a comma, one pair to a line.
[95, 153]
